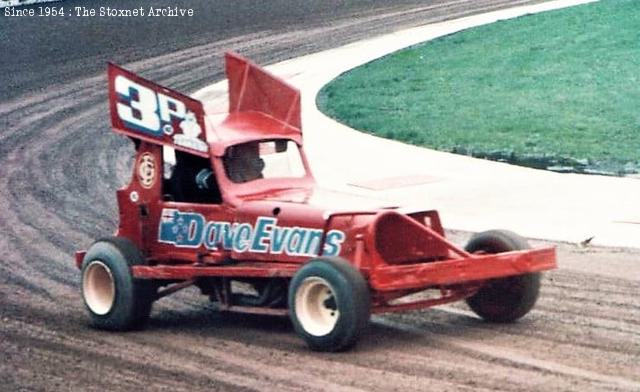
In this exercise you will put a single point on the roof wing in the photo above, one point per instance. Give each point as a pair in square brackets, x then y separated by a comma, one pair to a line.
[252, 89]
[147, 111]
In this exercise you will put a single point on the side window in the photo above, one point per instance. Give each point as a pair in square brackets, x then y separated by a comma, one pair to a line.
[188, 178]
[263, 159]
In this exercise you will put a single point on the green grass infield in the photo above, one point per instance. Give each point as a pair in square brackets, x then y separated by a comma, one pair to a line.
[558, 90]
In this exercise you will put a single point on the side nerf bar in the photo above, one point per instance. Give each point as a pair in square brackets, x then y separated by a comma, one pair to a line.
[457, 271]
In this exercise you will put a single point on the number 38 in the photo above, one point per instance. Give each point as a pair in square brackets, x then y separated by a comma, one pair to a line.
[144, 109]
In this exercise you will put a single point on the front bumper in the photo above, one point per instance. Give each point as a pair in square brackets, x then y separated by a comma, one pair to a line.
[464, 270]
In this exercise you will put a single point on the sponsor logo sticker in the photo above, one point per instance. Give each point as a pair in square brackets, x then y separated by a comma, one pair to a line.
[147, 170]
[192, 230]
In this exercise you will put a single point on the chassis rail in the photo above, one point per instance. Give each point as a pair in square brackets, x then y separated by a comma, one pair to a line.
[382, 278]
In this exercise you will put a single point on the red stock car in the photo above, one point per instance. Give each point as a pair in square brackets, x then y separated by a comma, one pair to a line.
[233, 209]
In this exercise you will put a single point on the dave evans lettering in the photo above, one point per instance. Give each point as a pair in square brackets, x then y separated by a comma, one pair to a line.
[191, 230]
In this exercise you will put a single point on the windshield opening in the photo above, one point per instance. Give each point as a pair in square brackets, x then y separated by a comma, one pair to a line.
[263, 159]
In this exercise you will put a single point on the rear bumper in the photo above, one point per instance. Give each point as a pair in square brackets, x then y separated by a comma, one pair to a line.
[464, 270]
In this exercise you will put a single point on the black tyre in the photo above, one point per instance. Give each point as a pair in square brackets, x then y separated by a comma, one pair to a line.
[508, 299]
[329, 304]
[114, 299]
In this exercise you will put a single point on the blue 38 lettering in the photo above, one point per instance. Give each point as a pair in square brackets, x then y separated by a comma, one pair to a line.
[142, 109]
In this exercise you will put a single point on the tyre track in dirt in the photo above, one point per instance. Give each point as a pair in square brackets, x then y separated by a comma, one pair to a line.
[59, 168]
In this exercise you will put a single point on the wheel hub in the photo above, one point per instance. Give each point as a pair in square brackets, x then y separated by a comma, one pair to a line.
[98, 287]
[316, 306]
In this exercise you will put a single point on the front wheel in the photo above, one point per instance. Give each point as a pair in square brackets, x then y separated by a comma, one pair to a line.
[507, 299]
[329, 304]
[114, 299]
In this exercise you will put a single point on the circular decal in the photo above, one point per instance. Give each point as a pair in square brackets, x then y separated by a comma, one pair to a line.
[168, 129]
[133, 196]
[147, 170]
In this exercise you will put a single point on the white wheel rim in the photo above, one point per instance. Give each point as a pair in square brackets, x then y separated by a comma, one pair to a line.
[98, 287]
[313, 303]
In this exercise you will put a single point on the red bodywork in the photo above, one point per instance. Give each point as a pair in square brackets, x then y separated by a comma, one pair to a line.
[399, 252]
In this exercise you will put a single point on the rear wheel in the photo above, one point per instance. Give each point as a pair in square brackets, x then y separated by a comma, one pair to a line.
[329, 304]
[507, 299]
[113, 298]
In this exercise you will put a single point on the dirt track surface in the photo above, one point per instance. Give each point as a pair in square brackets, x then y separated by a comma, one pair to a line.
[60, 166]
